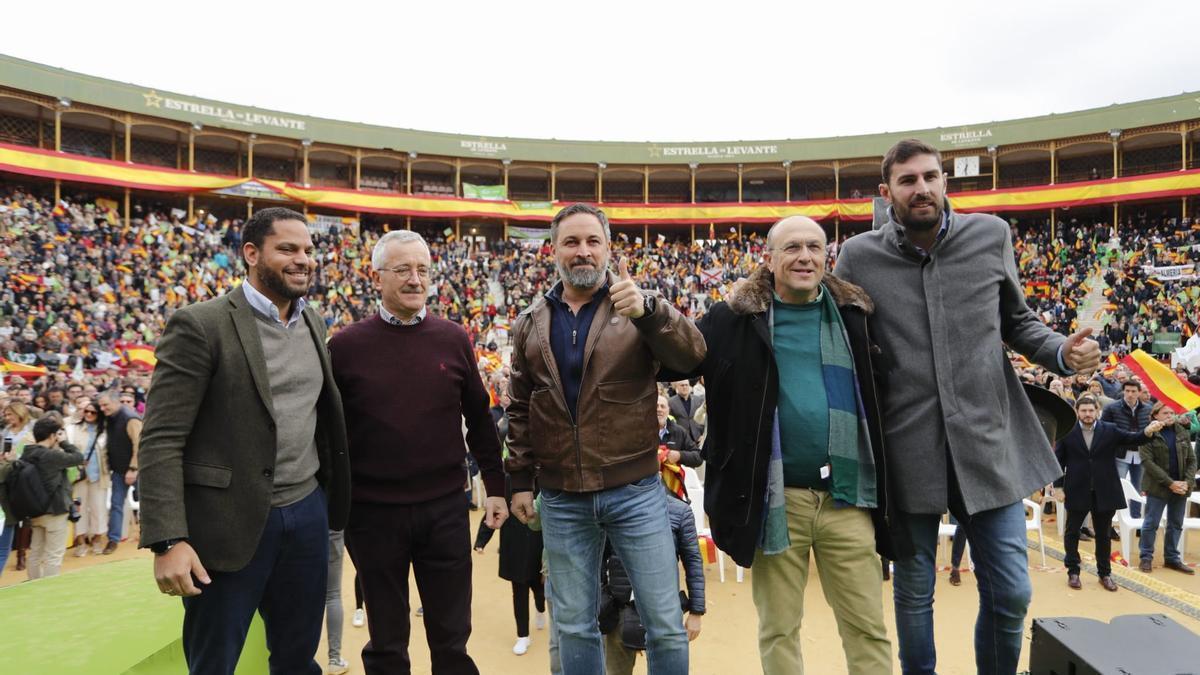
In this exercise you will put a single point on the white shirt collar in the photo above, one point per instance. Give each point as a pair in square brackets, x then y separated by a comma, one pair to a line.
[263, 305]
[397, 321]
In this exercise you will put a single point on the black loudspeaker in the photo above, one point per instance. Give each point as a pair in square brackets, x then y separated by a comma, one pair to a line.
[1135, 644]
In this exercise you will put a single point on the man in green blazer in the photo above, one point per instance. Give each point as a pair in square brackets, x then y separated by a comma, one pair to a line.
[243, 458]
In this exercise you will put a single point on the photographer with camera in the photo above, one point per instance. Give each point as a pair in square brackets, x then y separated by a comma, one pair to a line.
[51, 455]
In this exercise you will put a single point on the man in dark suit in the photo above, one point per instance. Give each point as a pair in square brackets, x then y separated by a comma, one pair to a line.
[243, 458]
[681, 448]
[684, 405]
[1129, 414]
[1087, 456]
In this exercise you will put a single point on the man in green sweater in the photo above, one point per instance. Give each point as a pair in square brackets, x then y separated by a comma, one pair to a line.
[795, 455]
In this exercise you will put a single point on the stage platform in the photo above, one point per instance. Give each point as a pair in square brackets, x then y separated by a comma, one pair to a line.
[103, 619]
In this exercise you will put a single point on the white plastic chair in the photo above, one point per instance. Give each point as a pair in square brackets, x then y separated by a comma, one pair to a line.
[1034, 524]
[1060, 511]
[1126, 523]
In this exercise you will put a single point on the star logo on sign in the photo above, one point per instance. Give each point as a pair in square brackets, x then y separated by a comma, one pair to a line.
[655, 152]
[153, 100]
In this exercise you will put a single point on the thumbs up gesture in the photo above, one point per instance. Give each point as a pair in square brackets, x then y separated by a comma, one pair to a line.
[1080, 353]
[627, 297]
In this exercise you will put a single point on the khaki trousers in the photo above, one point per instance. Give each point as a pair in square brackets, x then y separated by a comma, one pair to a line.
[49, 545]
[842, 540]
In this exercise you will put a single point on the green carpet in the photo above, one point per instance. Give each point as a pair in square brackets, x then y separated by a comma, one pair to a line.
[106, 619]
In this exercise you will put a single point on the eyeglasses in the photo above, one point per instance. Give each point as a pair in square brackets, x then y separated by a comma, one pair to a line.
[406, 272]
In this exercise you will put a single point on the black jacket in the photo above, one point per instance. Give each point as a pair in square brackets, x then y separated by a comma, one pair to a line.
[677, 438]
[1119, 414]
[1085, 470]
[52, 465]
[615, 583]
[741, 382]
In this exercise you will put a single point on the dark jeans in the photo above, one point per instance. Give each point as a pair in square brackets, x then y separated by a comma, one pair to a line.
[959, 545]
[6, 540]
[433, 538]
[1103, 542]
[521, 604]
[284, 581]
[1176, 508]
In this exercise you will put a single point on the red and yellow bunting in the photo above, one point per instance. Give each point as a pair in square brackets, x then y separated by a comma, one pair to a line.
[63, 166]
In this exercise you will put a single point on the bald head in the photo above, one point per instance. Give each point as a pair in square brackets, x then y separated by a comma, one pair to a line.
[796, 257]
[789, 224]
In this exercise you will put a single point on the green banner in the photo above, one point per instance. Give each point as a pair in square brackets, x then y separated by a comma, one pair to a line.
[534, 206]
[515, 232]
[496, 193]
[1165, 343]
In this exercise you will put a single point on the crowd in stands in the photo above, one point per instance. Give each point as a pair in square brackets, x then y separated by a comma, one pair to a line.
[78, 286]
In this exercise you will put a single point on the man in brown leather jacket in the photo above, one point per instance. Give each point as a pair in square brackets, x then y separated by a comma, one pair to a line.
[582, 423]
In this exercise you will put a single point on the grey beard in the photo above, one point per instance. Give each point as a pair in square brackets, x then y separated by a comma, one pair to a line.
[580, 278]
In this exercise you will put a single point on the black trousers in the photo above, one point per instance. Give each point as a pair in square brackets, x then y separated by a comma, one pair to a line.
[434, 539]
[1100, 521]
[521, 603]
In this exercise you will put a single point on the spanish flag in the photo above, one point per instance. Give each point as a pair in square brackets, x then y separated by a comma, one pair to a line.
[708, 548]
[1178, 395]
[1110, 365]
[140, 355]
[672, 474]
[22, 369]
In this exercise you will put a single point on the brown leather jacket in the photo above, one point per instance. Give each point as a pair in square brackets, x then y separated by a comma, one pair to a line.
[615, 441]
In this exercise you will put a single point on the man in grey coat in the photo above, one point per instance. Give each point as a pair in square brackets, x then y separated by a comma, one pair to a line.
[961, 434]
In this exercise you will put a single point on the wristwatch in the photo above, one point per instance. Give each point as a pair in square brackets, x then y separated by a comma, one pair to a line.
[161, 547]
[648, 304]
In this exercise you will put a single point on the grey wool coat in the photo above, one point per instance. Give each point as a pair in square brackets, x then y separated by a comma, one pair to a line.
[950, 391]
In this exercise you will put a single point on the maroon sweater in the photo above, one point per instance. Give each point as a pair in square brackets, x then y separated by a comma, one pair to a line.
[406, 390]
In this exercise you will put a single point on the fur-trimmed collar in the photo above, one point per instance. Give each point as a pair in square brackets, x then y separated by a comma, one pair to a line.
[754, 294]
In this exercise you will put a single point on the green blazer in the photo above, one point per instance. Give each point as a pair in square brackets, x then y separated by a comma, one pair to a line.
[1156, 481]
[207, 452]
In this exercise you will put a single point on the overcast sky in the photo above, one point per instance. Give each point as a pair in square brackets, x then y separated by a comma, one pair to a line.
[639, 71]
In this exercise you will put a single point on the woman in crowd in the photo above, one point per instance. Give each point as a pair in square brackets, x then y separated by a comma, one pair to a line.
[17, 433]
[86, 432]
[520, 565]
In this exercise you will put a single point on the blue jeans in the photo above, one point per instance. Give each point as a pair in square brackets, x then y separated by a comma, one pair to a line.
[634, 518]
[116, 510]
[997, 539]
[1134, 473]
[1176, 507]
[285, 582]
[6, 539]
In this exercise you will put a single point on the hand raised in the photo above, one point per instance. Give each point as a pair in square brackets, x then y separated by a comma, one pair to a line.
[1080, 353]
[626, 296]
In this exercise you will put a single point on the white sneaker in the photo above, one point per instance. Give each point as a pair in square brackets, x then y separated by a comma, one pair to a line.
[540, 620]
[522, 646]
[338, 666]
[360, 617]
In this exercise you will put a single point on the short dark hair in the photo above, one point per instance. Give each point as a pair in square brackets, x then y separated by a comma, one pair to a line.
[46, 426]
[574, 209]
[1125, 384]
[262, 224]
[904, 151]
[1087, 400]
